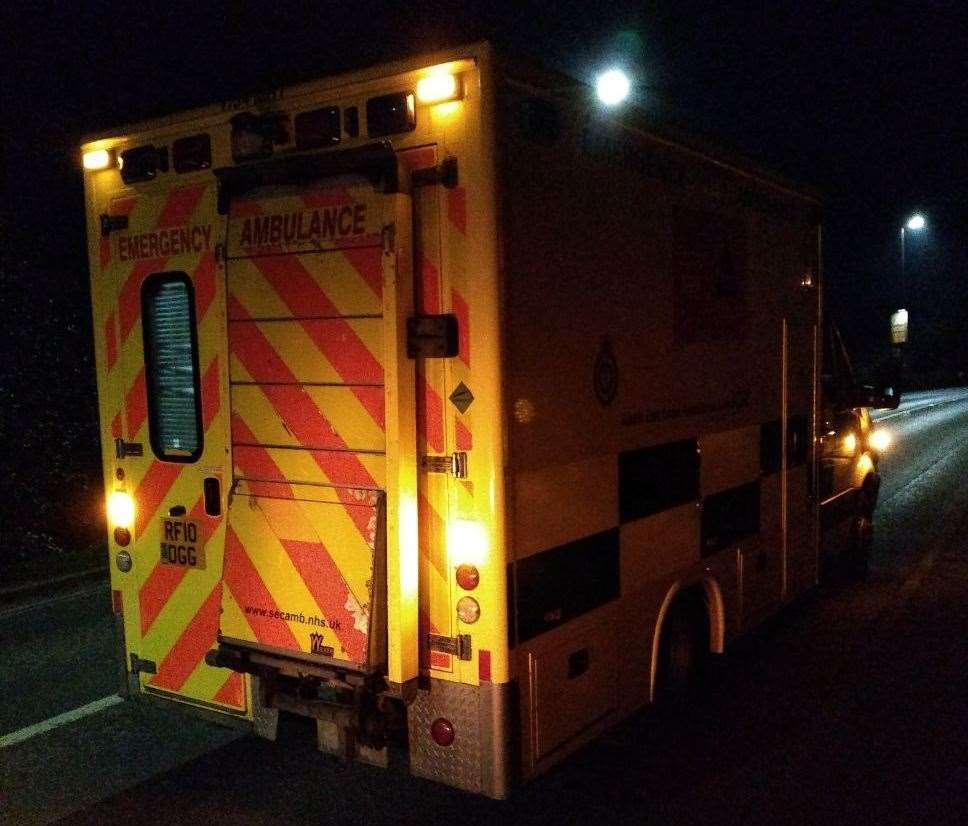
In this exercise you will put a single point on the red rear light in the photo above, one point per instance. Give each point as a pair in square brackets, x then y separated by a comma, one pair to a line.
[117, 603]
[468, 577]
[442, 731]
[122, 536]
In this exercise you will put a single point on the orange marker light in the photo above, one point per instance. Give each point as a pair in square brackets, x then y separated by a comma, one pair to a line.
[96, 159]
[121, 509]
[437, 88]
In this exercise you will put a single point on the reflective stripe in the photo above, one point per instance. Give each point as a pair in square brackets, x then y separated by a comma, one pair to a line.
[248, 588]
[190, 648]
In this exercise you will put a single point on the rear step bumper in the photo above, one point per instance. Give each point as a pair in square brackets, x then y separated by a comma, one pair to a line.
[267, 665]
[353, 727]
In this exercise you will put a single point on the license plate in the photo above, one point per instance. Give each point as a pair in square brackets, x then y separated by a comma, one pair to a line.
[182, 543]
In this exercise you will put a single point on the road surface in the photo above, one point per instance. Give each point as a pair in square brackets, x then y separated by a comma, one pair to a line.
[851, 707]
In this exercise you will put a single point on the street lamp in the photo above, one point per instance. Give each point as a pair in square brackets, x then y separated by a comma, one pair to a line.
[915, 223]
[613, 87]
[899, 321]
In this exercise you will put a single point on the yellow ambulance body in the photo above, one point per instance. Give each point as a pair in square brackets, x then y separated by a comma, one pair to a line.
[434, 393]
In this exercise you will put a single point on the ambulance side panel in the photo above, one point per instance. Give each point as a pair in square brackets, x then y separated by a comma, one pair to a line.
[659, 342]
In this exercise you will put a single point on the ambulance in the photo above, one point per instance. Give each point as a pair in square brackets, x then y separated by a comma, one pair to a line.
[442, 406]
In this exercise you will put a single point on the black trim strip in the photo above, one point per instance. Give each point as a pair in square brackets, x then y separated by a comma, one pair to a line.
[655, 479]
[729, 516]
[558, 585]
[797, 443]
[376, 161]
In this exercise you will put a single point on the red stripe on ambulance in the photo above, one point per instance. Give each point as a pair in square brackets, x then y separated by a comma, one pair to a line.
[457, 208]
[248, 588]
[129, 301]
[110, 340]
[198, 637]
[180, 206]
[368, 262]
[462, 311]
[136, 403]
[430, 416]
[204, 281]
[341, 468]
[338, 341]
[211, 395]
[152, 490]
[329, 589]
[464, 438]
[232, 692]
[428, 287]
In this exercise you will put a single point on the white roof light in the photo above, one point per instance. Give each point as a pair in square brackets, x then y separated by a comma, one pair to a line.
[915, 222]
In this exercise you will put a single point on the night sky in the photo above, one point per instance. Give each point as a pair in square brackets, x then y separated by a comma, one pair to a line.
[866, 102]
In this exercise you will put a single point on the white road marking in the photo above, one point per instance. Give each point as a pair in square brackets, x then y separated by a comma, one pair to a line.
[918, 405]
[906, 412]
[50, 724]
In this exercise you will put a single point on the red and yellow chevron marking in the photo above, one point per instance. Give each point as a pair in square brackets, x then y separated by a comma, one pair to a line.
[164, 579]
[457, 289]
[290, 585]
[176, 610]
[436, 611]
[308, 421]
[177, 209]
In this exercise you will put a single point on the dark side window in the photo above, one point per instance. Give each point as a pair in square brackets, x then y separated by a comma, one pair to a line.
[171, 366]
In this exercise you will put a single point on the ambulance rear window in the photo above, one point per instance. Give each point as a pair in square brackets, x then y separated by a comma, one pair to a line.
[171, 367]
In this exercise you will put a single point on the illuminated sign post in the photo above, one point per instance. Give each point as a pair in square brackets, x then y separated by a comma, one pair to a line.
[899, 327]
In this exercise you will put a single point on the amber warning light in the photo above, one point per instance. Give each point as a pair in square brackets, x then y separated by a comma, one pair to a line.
[438, 87]
[121, 509]
[95, 159]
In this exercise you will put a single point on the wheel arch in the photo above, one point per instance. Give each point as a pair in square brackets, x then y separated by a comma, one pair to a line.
[712, 600]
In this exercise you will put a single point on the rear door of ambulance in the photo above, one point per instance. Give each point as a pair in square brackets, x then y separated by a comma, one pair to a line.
[323, 446]
[163, 329]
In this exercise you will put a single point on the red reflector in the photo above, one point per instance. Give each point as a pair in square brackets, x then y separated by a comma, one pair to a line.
[484, 665]
[442, 731]
[122, 536]
[468, 577]
[116, 602]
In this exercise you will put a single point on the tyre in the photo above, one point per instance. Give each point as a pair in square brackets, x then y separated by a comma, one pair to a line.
[683, 646]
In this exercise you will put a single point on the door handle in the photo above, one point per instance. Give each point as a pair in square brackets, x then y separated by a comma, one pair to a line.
[212, 489]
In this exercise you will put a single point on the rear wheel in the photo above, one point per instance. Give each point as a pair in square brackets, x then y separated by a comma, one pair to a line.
[683, 646]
